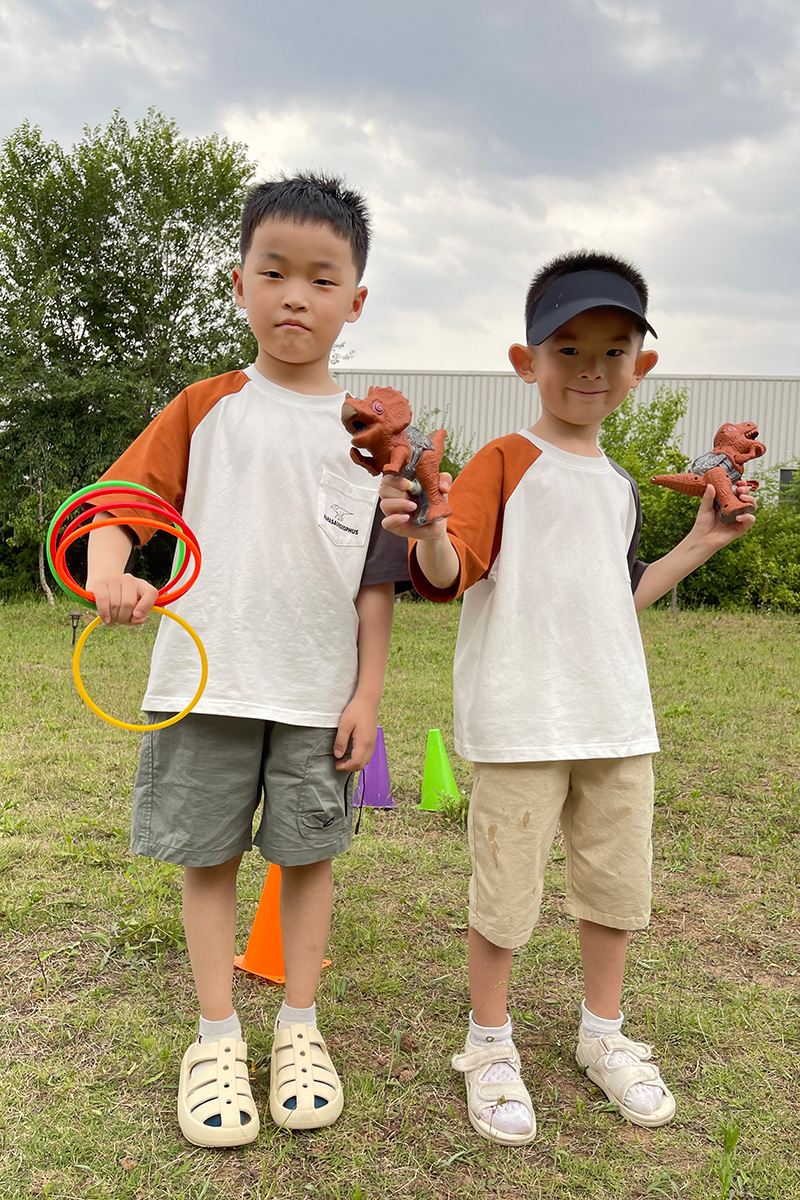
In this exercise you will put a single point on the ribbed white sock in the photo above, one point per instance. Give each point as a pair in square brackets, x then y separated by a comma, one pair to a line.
[212, 1031]
[511, 1117]
[296, 1016]
[641, 1097]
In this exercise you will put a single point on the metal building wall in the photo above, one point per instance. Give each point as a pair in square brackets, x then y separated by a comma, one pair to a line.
[773, 403]
[483, 406]
[487, 405]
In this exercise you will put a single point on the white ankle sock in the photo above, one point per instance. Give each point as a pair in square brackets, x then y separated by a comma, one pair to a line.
[296, 1016]
[511, 1117]
[599, 1026]
[641, 1097]
[485, 1035]
[212, 1031]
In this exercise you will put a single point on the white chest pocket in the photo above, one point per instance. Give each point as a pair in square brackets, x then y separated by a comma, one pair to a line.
[345, 511]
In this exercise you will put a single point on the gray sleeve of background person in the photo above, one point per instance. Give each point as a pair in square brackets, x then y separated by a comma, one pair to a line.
[387, 558]
[636, 568]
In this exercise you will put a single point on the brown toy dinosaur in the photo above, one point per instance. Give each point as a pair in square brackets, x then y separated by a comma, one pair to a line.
[381, 425]
[734, 445]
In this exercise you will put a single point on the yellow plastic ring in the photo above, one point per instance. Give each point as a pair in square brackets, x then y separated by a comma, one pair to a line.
[76, 671]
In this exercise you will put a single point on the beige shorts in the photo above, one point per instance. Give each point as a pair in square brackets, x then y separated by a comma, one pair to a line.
[605, 806]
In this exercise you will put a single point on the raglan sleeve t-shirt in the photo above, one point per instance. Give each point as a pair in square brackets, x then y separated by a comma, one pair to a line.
[549, 663]
[284, 520]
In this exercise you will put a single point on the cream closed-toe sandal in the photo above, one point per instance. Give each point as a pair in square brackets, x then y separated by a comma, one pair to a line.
[305, 1091]
[215, 1104]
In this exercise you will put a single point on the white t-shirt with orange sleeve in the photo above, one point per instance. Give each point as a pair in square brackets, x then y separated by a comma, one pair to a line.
[283, 517]
[549, 663]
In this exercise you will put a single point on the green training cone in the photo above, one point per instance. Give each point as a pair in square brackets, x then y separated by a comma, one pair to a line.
[437, 782]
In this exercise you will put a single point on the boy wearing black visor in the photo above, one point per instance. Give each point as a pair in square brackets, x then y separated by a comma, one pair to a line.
[552, 702]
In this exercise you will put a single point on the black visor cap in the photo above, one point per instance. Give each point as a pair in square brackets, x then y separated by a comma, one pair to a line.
[573, 294]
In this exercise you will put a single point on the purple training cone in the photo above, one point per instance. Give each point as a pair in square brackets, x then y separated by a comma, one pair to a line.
[373, 789]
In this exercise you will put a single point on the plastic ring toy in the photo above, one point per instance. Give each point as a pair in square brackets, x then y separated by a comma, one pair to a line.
[102, 510]
[100, 497]
[79, 523]
[118, 487]
[62, 572]
[76, 671]
[122, 491]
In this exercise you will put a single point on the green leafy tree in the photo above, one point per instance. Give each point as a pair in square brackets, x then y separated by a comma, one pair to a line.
[115, 292]
[760, 570]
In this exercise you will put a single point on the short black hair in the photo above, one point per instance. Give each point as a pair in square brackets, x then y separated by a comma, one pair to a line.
[317, 198]
[583, 260]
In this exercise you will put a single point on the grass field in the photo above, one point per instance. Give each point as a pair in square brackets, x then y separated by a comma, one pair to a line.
[96, 1006]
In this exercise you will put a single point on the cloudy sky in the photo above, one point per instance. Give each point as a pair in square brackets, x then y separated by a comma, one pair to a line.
[489, 135]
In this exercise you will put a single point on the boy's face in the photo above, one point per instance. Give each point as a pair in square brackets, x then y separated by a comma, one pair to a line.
[298, 284]
[587, 367]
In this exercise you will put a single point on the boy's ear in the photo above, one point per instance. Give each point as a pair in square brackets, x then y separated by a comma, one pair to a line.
[645, 361]
[358, 305]
[238, 292]
[521, 359]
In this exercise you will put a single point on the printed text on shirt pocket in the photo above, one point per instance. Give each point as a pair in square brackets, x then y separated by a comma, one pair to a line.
[345, 510]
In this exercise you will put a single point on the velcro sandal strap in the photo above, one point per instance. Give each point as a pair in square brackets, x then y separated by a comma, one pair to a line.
[618, 1041]
[617, 1080]
[485, 1094]
[472, 1058]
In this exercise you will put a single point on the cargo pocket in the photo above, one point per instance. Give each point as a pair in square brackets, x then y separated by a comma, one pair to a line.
[323, 811]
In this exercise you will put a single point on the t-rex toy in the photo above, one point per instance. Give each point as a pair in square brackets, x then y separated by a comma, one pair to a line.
[381, 425]
[734, 445]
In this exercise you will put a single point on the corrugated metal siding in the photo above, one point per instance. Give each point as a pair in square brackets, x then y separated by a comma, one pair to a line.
[486, 406]
[481, 406]
[773, 403]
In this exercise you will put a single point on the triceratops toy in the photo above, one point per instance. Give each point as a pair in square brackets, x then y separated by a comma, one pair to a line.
[381, 425]
[734, 445]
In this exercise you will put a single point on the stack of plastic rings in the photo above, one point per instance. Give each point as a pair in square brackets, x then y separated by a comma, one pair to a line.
[102, 497]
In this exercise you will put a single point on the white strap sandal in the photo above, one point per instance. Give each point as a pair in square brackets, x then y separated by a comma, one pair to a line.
[593, 1056]
[474, 1062]
[304, 1090]
[215, 1105]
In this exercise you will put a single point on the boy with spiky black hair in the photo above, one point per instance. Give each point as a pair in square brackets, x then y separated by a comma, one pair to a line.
[294, 605]
[551, 698]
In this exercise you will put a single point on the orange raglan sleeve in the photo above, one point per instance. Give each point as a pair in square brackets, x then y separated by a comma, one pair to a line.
[478, 498]
[159, 458]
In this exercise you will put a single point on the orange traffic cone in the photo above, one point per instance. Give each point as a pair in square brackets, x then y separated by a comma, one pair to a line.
[264, 953]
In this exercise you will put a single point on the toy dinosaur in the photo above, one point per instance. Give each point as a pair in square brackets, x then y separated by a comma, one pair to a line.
[734, 445]
[380, 424]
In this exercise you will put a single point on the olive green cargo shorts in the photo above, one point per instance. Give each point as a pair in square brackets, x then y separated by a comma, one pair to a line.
[200, 782]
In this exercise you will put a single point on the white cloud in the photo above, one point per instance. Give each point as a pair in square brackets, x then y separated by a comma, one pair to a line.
[674, 140]
[453, 255]
[58, 45]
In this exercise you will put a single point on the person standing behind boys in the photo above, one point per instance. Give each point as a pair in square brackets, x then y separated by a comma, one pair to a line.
[551, 698]
[294, 604]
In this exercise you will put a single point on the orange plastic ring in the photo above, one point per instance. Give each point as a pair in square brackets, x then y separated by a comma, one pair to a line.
[187, 538]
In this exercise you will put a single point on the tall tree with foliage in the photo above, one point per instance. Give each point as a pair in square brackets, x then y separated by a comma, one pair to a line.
[115, 292]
